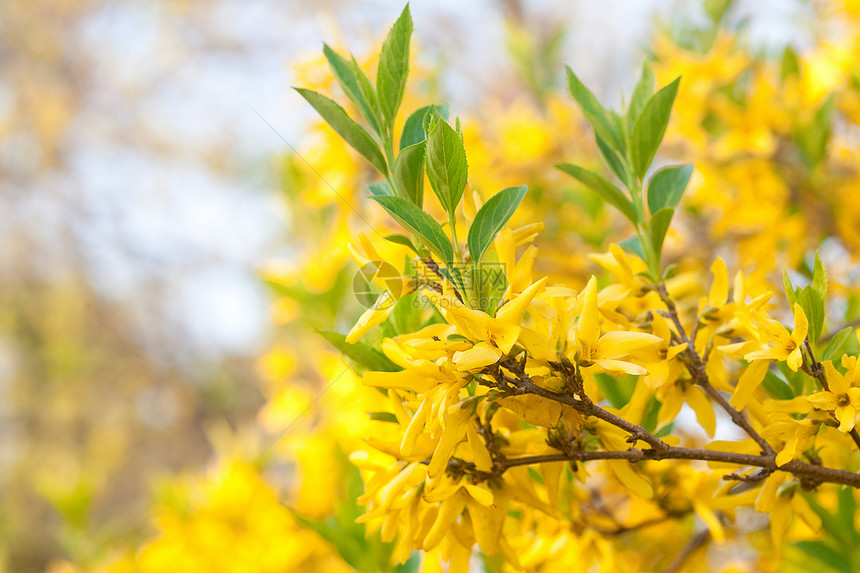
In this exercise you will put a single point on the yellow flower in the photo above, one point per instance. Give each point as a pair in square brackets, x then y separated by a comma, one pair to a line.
[842, 398]
[518, 273]
[777, 343]
[501, 330]
[605, 350]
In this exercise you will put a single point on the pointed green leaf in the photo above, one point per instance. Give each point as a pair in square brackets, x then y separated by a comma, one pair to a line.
[616, 162]
[401, 240]
[409, 173]
[813, 306]
[641, 94]
[380, 188]
[819, 277]
[413, 129]
[346, 76]
[599, 118]
[361, 357]
[667, 186]
[394, 66]
[604, 188]
[420, 223]
[716, 9]
[837, 343]
[790, 293]
[633, 246]
[366, 87]
[659, 225]
[777, 387]
[491, 218]
[650, 127]
[446, 164]
[790, 63]
[344, 126]
[617, 390]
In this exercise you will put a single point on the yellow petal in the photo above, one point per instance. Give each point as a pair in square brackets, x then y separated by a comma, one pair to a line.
[636, 483]
[403, 380]
[479, 356]
[455, 431]
[480, 453]
[621, 366]
[374, 315]
[795, 359]
[835, 381]
[505, 249]
[719, 293]
[512, 312]
[700, 404]
[479, 494]
[749, 381]
[588, 328]
[449, 511]
[711, 521]
[801, 325]
[617, 344]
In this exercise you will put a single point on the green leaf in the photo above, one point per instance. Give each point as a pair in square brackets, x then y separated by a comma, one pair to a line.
[659, 225]
[420, 223]
[790, 293]
[632, 245]
[401, 240]
[837, 343]
[649, 128]
[361, 357]
[413, 129]
[394, 66]
[409, 173]
[716, 9]
[599, 118]
[650, 416]
[346, 76]
[790, 63]
[667, 186]
[813, 306]
[641, 94]
[380, 188]
[446, 165]
[344, 126]
[617, 390]
[368, 90]
[777, 387]
[812, 138]
[616, 162]
[382, 417]
[824, 555]
[491, 218]
[819, 277]
[604, 188]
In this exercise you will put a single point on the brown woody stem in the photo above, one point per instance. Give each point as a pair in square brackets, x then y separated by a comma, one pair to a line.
[696, 368]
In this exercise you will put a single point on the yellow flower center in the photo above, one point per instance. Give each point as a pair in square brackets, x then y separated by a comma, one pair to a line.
[842, 400]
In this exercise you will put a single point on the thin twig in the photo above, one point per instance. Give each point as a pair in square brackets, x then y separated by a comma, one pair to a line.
[697, 369]
[696, 542]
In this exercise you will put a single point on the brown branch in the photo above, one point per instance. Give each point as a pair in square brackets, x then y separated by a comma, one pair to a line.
[696, 542]
[659, 450]
[696, 368]
[634, 455]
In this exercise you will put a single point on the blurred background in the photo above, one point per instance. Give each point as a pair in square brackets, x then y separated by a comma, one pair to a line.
[140, 195]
